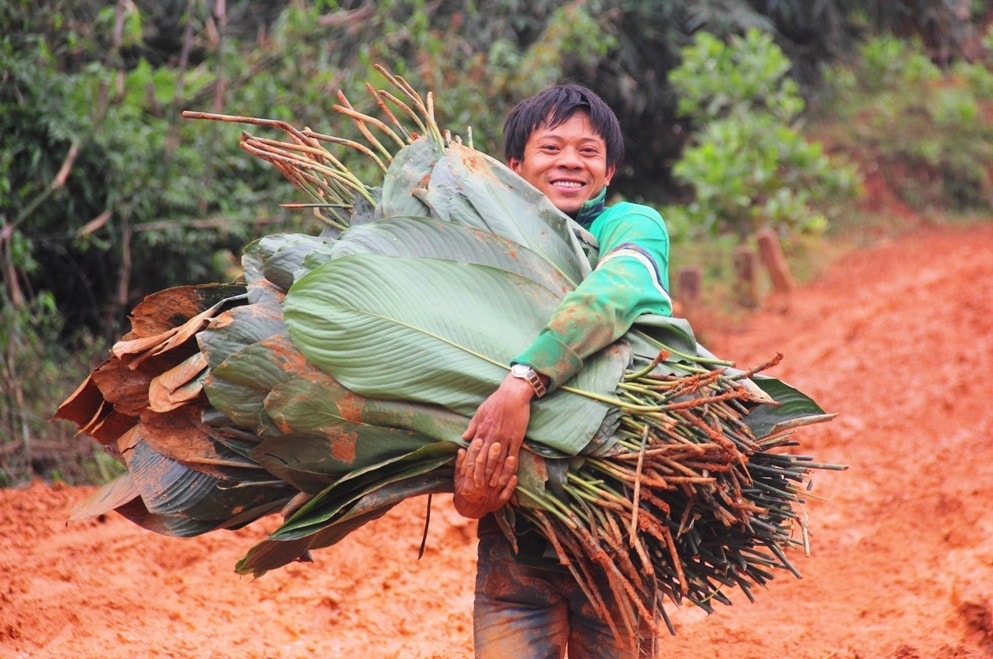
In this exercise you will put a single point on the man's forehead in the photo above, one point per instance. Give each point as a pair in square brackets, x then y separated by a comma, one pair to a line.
[551, 128]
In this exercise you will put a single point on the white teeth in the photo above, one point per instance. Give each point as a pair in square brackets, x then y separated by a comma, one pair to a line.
[567, 184]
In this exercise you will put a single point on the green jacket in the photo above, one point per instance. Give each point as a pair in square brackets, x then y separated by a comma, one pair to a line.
[630, 277]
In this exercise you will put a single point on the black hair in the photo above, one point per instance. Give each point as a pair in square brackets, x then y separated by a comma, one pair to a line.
[554, 106]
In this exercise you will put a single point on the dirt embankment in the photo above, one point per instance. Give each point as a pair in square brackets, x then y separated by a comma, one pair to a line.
[897, 338]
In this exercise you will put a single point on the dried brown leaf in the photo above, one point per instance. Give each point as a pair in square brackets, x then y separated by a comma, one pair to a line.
[178, 385]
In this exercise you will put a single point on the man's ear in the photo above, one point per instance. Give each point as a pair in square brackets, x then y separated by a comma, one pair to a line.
[514, 164]
[611, 169]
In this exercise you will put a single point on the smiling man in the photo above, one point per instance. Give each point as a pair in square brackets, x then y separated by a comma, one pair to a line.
[567, 143]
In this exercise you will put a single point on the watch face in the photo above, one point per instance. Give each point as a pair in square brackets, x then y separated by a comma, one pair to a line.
[520, 370]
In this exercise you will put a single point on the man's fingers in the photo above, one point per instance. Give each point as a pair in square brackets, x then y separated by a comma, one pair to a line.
[472, 459]
[508, 489]
[471, 429]
[480, 474]
[495, 464]
[502, 473]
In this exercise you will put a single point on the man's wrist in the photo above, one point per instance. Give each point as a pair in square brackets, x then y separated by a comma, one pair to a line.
[529, 375]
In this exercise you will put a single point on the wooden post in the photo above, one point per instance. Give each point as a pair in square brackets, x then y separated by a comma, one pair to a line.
[689, 289]
[771, 253]
[745, 288]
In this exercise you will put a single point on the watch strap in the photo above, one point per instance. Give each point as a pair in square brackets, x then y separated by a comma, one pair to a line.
[530, 376]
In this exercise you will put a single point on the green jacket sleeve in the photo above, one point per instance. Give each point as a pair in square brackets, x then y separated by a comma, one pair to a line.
[630, 278]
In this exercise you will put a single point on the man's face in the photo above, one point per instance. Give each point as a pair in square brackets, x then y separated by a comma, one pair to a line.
[568, 163]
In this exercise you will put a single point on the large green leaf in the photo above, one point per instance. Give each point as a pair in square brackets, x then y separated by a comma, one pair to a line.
[469, 187]
[287, 257]
[423, 237]
[284, 463]
[241, 406]
[377, 503]
[438, 332]
[336, 448]
[651, 333]
[271, 554]
[247, 350]
[264, 364]
[793, 409]
[417, 329]
[277, 255]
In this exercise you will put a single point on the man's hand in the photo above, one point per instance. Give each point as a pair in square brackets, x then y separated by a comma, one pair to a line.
[486, 472]
[484, 480]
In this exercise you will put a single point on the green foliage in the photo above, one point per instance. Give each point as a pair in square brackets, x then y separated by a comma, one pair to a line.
[889, 62]
[36, 371]
[148, 174]
[747, 76]
[921, 128]
[748, 163]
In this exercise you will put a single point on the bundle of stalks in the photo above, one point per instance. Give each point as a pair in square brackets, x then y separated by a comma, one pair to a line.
[688, 504]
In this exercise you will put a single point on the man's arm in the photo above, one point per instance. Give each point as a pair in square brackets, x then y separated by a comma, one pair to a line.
[631, 278]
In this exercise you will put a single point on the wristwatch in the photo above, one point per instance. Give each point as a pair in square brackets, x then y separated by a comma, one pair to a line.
[525, 372]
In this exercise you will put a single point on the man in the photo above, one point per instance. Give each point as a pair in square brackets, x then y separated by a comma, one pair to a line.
[567, 143]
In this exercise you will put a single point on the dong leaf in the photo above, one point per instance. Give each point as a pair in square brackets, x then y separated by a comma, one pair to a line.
[276, 256]
[336, 448]
[793, 409]
[271, 554]
[240, 327]
[238, 386]
[378, 502]
[471, 188]
[287, 257]
[311, 403]
[426, 237]
[438, 332]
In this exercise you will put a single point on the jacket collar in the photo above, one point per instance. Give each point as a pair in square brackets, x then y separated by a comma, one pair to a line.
[592, 208]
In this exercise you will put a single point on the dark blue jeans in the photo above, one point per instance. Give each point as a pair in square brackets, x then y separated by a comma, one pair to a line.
[530, 612]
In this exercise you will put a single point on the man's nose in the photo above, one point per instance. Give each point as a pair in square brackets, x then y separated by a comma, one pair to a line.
[569, 158]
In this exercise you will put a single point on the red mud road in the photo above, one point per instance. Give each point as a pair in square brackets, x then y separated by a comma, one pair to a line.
[897, 338]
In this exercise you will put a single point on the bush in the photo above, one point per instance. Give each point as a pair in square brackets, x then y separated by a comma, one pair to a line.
[748, 164]
[919, 126]
[36, 372]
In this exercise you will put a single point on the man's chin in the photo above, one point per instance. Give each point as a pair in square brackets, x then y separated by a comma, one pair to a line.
[569, 206]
